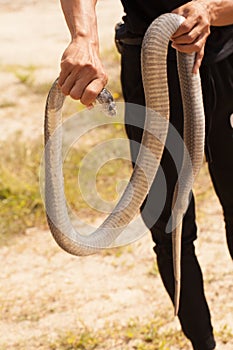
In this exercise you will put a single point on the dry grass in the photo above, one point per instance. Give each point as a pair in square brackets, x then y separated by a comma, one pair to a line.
[115, 300]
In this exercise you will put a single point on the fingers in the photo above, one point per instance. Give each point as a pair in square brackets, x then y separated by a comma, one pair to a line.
[91, 92]
[82, 75]
[185, 28]
[79, 79]
[198, 60]
[65, 72]
[186, 45]
[189, 46]
[192, 34]
[84, 89]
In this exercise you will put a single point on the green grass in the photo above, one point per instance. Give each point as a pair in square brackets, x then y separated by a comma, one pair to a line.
[26, 75]
[21, 205]
[135, 335]
[106, 178]
[5, 103]
[225, 334]
[154, 271]
[151, 335]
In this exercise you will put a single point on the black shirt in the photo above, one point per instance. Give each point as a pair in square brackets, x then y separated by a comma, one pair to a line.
[140, 13]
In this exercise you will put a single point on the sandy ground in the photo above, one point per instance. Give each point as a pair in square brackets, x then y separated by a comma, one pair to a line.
[44, 290]
[34, 35]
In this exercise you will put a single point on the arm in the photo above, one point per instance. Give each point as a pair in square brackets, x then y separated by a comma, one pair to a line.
[221, 12]
[200, 15]
[82, 75]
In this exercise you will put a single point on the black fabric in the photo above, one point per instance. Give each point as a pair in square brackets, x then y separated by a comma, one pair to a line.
[220, 137]
[140, 14]
[217, 82]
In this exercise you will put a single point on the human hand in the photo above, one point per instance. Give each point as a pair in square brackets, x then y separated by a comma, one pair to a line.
[193, 32]
[82, 75]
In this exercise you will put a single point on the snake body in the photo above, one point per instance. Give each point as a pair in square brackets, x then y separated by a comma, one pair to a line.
[154, 73]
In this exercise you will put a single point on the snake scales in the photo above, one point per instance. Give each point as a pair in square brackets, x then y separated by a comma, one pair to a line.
[154, 73]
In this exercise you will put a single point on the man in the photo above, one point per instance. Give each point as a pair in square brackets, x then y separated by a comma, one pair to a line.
[207, 31]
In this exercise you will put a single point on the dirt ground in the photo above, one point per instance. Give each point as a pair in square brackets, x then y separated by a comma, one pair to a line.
[34, 35]
[43, 290]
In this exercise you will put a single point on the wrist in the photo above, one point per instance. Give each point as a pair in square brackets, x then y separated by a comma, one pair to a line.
[212, 8]
[86, 30]
[84, 41]
[81, 19]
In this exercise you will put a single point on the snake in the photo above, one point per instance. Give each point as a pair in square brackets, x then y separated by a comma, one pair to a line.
[154, 76]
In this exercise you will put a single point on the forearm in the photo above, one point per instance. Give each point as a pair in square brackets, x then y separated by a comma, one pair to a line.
[82, 75]
[81, 19]
[221, 11]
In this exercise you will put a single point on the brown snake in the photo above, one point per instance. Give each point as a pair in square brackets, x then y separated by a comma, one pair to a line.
[154, 73]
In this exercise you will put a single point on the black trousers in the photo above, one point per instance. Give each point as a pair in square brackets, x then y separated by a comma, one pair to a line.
[217, 84]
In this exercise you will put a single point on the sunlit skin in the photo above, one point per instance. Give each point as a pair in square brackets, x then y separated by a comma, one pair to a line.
[82, 74]
[194, 31]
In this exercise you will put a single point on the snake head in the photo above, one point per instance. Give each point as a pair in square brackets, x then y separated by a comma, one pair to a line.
[106, 100]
